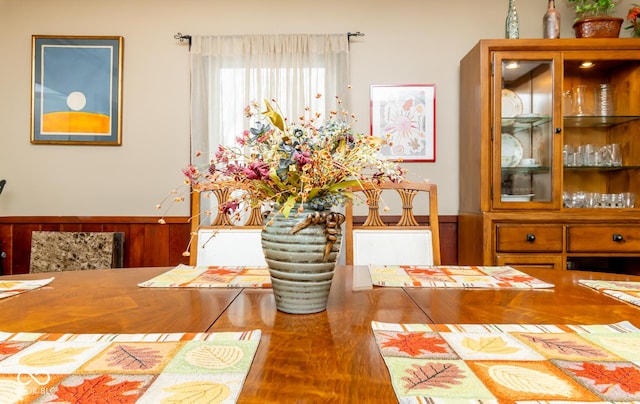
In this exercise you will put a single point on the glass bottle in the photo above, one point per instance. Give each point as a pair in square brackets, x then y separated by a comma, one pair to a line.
[512, 26]
[551, 22]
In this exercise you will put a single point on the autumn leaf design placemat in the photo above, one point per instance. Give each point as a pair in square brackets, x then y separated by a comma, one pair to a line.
[488, 363]
[453, 277]
[623, 290]
[185, 276]
[12, 287]
[125, 368]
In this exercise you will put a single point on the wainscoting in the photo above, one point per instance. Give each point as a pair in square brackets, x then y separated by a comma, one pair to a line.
[146, 243]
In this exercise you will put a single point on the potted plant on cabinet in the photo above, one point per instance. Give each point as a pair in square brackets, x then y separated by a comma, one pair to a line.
[594, 19]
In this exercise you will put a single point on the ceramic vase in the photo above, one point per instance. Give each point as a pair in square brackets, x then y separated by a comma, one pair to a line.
[302, 263]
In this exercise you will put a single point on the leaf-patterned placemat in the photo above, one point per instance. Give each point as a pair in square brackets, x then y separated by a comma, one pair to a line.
[12, 287]
[453, 277]
[125, 368]
[491, 363]
[185, 276]
[626, 291]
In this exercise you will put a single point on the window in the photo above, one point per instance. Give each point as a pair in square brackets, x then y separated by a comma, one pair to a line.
[229, 72]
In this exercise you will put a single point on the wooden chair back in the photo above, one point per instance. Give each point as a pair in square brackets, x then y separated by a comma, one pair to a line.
[397, 238]
[220, 239]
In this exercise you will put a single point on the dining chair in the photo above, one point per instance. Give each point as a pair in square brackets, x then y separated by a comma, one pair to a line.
[220, 238]
[55, 251]
[404, 237]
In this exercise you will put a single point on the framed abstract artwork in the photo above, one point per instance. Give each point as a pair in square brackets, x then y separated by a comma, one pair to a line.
[76, 90]
[405, 115]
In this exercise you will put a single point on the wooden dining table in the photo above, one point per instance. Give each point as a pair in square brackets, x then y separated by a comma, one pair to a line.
[329, 356]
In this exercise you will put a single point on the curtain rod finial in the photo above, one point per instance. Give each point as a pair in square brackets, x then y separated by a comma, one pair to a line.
[180, 37]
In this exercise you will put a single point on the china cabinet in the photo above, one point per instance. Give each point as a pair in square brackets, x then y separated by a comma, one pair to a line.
[550, 154]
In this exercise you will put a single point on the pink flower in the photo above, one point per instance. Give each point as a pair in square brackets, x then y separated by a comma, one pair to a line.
[257, 170]
[229, 207]
[190, 172]
[221, 154]
[302, 158]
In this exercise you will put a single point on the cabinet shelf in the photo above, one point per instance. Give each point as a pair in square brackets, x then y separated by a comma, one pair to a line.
[518, 123]
[601, 168]
[597, 121]
[520, 169]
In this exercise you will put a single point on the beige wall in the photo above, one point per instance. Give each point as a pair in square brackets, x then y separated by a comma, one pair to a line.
[407, 41]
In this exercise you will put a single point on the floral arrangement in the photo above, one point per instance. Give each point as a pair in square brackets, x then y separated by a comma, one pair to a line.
[313, 160]
[632, 16]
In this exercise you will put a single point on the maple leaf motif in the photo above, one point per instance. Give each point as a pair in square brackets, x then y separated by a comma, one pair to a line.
[9, 348]
[97, 390]
[132, 357]
[213, 278]
[414, 343]
[423, 272]
[220, 271]
[517, 278]
[442, 375]
[627, 377]
[565, 347]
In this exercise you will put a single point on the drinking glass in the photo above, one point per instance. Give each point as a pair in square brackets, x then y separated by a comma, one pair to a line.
[579, 199]
[567, 102]
[592, 200]
[616, 155]
[605, 151]
[567, 150]
[628, 199]
[589, 156]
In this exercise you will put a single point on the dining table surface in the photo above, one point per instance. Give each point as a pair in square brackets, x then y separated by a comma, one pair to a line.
[329, 356]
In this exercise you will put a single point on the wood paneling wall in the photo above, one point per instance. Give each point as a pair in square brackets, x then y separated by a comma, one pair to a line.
[146, 242]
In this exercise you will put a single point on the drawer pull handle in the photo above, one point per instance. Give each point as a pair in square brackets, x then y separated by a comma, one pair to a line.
[618, 238]
[531, 238]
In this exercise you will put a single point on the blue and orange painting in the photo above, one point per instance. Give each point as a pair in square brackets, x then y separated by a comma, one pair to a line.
[75, 88]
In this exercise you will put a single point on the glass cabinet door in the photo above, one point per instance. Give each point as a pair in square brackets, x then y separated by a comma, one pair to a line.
[601, 126]
[524, 130]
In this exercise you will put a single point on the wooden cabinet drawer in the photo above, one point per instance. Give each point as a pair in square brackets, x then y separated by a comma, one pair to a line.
[524, 261]
[603, 239]
[526, 238]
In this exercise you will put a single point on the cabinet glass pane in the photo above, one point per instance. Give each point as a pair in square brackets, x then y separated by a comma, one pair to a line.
[601, 120]
[526, 130]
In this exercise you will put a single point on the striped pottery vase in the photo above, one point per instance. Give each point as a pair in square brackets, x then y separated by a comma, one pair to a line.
[301, 253]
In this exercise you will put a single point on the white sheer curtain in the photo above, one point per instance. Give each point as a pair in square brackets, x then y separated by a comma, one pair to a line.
[228, 72]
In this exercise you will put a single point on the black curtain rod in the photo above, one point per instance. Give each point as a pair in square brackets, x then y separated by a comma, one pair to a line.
[350, 34]
[183, 37]
[180, 37]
